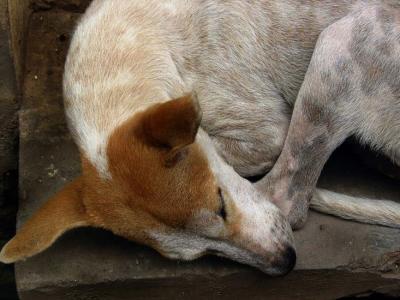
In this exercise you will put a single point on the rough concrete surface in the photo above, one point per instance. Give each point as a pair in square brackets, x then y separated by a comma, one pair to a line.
[68, 5]
[336, 258]
[8, 95]
[8, 145]
[19, 15]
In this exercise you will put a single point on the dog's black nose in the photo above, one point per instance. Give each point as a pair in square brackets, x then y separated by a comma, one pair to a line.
[286, 262]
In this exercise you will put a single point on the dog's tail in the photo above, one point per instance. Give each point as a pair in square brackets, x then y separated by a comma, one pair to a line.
[371, 211]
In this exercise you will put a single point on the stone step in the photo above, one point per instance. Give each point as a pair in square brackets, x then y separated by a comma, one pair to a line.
[336, 258]
[11, 18]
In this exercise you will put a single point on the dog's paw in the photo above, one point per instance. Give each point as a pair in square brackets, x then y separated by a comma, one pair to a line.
[298, 215]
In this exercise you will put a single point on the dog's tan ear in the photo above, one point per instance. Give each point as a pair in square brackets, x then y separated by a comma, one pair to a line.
[62, 212]
[173, 124]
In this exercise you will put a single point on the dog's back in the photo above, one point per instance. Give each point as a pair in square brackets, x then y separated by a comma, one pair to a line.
[243, 58]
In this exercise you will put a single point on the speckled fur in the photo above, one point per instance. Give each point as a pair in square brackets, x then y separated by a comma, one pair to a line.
[352, 87]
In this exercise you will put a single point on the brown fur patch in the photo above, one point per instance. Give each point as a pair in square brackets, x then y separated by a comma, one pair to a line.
[138, 169]
[172, 124]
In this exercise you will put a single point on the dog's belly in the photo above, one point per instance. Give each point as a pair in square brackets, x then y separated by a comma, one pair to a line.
[246, 157]
[247, 117]
[248, 131]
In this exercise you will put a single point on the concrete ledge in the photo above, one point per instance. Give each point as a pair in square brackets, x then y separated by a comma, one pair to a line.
[88, 264]
[336, 258]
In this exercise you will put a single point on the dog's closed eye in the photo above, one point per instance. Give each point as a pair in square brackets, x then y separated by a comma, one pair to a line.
[222, 210]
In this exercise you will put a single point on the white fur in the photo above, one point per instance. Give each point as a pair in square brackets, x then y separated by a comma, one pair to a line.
[185, 246]
[261, 224]
[104, 81]
[259, 216]
[371, 211]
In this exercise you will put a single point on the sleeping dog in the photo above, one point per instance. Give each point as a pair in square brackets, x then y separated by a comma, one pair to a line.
[173, 102]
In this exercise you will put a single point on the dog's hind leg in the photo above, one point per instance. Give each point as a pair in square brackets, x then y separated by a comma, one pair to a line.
[349, 89]
[318, 126]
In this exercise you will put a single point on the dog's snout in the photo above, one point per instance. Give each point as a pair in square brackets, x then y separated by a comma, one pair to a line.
[286, 262]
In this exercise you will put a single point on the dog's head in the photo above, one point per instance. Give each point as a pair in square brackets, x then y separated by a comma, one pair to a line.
[166, 187]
